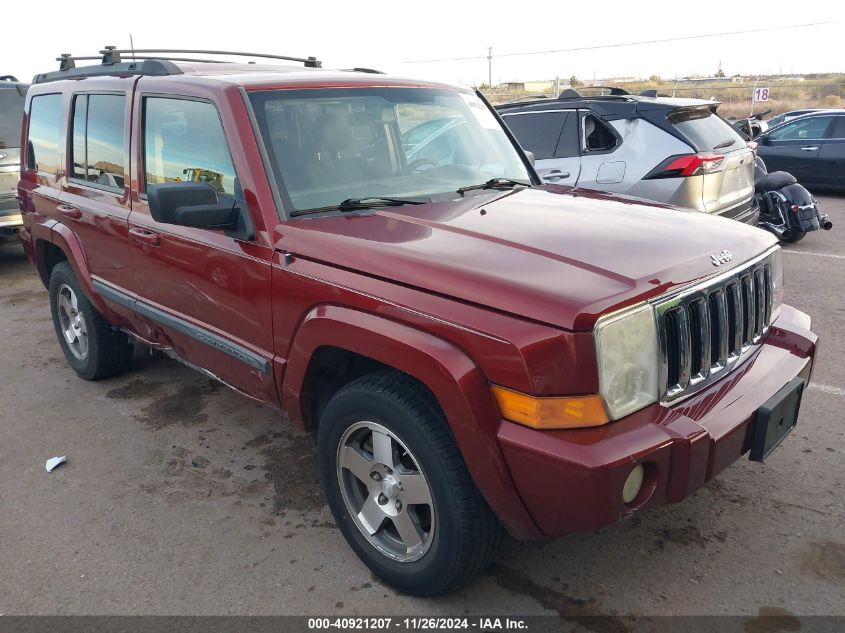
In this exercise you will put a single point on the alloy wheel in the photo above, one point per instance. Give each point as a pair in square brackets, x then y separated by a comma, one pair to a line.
[385, 491]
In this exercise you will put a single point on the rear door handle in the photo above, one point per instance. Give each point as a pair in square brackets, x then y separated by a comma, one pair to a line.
[809, 149]
[69, 212]
[555, 175]
[143, 236]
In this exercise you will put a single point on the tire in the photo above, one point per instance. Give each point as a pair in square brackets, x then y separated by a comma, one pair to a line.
[794, 236]
[458, 533]
[91, 346]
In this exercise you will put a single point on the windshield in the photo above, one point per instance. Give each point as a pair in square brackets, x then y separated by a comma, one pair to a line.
[330, 145]
[11, 114]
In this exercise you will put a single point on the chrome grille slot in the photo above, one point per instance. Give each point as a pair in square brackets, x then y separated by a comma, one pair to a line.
[707, 329]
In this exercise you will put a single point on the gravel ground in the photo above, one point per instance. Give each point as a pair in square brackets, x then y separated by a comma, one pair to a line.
[180, 497]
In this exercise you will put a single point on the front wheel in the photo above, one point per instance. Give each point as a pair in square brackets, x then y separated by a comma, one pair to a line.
[399, 489]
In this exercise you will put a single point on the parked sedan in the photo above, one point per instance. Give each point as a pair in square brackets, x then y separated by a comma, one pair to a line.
[810, 147]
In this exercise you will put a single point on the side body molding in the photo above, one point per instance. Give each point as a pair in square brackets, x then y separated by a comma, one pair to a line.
[461, 389]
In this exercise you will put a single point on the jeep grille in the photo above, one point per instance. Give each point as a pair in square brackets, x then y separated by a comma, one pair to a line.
[706, 330]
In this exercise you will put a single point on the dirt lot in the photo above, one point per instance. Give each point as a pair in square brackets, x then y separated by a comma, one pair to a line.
[179, 497]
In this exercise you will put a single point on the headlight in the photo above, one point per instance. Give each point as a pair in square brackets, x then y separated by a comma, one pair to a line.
[776, 261]
[626, 351]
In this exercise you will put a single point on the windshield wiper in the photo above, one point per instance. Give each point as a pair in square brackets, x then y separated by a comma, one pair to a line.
[495, 183]
[371, 202]
[727, 143]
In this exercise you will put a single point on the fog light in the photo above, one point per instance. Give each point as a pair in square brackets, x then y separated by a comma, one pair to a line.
[633, 484]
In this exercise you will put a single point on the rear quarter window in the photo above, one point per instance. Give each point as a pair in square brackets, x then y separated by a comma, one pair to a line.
[45, 113]
[706, 131]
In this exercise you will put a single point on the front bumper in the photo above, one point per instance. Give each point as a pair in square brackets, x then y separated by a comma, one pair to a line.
[571, 480]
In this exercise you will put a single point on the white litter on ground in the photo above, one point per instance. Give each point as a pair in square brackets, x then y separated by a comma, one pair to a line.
[53, 462]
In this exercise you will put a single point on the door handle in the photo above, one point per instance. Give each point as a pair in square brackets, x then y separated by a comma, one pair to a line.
[143, 236]
[555, 175]
[809, 149]
[69, 212]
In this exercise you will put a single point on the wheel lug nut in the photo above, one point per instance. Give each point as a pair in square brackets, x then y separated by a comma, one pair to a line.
[398, 505]
[376, 476]
[382, 499]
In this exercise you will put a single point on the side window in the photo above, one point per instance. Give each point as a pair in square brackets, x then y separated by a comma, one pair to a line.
[184, 142]
[597, 135]
[98, 142]
[45, 112]
[567, 144]
[537, 132]
[803, 129]
[838, 129]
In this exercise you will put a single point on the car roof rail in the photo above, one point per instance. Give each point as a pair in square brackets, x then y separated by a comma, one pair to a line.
[147, 61]
[112, 55]
[359, 69]
[9, 78]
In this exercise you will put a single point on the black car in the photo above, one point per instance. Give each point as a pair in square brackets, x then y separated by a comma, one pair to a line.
[810, 147]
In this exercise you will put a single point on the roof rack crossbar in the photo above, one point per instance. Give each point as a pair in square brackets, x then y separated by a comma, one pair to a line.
[115, 53]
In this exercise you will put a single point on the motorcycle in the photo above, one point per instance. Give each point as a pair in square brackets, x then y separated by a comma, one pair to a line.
[753, 125]
[786, 208]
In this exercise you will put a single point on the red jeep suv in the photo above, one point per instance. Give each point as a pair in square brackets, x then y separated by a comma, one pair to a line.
[474, 351]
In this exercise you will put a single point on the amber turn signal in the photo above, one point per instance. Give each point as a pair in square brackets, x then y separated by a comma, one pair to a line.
[567, 412]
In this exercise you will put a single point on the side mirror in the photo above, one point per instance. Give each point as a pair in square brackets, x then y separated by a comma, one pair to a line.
[195, 204]
[763, 139]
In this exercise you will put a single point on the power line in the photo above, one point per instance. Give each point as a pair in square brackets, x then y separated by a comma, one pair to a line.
[620, 45]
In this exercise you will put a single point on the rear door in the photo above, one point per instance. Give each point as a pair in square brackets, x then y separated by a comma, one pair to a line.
[794, 146]
[95, 200]
[552, 136]
[204, 293]
[831, 161]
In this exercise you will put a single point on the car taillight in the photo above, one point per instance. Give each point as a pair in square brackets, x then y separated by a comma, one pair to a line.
[687, 165]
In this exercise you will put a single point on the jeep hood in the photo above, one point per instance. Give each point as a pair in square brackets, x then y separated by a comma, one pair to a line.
[551, 254]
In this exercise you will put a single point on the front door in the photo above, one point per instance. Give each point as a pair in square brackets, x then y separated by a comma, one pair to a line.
[795, 147]
[831, 164]
[203, 293]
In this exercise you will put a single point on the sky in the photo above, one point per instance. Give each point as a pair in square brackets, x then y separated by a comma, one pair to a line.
[388, 35]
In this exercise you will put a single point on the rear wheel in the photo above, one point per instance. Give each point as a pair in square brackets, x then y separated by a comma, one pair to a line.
[399, 489]
[793, 236]
[91, 346]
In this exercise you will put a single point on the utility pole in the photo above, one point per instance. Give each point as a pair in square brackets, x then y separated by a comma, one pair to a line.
[489, 66]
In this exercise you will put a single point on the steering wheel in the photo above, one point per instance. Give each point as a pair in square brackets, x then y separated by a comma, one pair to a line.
[421, 162]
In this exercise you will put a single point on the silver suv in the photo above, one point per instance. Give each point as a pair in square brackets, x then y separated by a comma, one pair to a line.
[12, 94]
[675, 151]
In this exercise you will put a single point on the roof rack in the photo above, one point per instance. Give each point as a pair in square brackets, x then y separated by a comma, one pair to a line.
[358, 69]
[8, 78]
[147, 61]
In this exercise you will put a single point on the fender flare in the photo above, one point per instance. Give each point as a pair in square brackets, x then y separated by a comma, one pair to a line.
[66, 240]
[454, 379]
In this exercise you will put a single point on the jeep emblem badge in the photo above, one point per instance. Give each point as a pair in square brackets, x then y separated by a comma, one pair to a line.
[722, 257]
